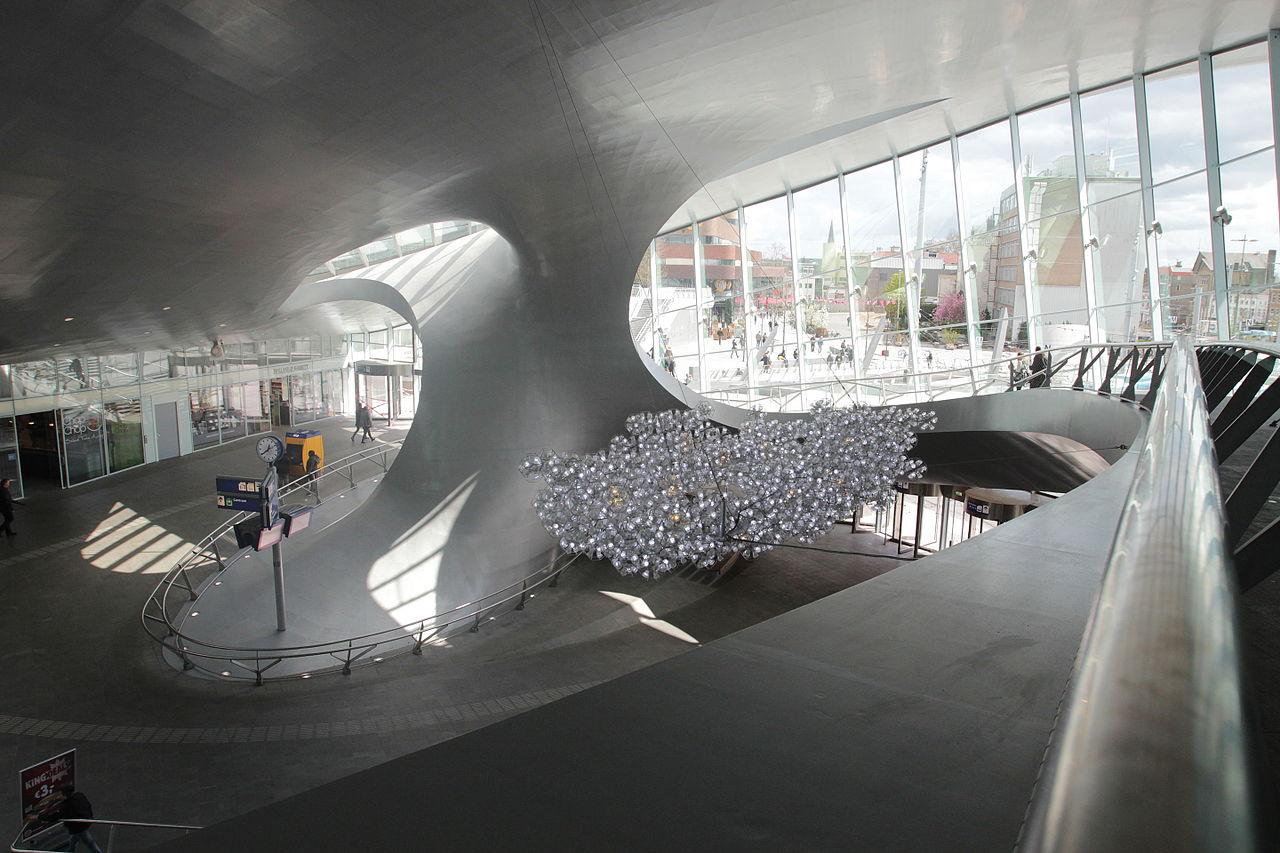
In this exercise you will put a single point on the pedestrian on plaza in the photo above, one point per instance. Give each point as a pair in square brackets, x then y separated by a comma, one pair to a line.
[764, 361]
[733, 350]
[76, 805]
[1018, 372]
[6, 507]
[830, 360]
[368, 424]
[360, 413]
[795, 354]
[928, 359]
[1040, 363]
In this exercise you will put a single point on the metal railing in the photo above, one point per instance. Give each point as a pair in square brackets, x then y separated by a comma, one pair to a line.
[1152, 750]
[56, 837]
[162, 612]
[1130, 371]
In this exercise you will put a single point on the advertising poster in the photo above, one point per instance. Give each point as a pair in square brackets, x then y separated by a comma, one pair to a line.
[42, 786]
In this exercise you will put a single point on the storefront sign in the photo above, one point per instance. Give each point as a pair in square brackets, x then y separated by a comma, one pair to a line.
[977, 508]
[42, 786]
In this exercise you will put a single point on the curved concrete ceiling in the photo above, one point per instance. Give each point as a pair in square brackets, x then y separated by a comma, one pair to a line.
[207, 156]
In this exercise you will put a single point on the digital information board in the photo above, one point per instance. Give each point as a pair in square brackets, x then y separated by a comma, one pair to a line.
[243, 494]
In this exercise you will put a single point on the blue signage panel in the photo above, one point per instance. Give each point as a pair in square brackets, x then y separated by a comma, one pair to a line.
[242, 494]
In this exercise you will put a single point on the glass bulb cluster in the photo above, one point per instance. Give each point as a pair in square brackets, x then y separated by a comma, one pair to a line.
[677, 489]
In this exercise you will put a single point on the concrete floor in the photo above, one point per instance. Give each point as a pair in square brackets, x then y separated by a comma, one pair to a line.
[155, 744]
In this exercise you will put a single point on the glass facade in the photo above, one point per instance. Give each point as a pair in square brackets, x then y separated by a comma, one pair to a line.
[74, 418]
[1130, 212]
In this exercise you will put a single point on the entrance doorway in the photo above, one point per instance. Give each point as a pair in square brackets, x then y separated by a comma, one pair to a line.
[168, 444]
[38, 450]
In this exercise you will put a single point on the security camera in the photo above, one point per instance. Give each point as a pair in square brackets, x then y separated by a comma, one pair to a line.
[1030, 256]
[1092, 243]
[1155, 228]
[1221, 216]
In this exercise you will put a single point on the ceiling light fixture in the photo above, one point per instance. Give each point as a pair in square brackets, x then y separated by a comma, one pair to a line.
[67, 319]
[166, 308]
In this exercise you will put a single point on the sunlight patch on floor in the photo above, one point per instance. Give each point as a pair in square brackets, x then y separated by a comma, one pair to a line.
[403, 581]
[129, 543]
[645, 616]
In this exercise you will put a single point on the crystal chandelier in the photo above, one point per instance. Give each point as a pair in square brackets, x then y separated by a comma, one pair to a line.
[677, 489]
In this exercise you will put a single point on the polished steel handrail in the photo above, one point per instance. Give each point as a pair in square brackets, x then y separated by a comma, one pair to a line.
[16, 845]
[253, 662]
[965, 381]
[1153, 748]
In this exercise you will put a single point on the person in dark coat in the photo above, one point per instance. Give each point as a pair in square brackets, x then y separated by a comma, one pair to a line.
[1040, 363]
[313, 465]
[360, 413]
[76, 805]
[6, 507]
[368, 417]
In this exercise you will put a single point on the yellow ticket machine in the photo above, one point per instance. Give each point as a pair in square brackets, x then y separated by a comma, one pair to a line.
[298, 446]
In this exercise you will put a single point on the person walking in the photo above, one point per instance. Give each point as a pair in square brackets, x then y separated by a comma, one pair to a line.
[368, 424]
[1018, 372]
[1040, 369]
[6, 507]
[359, 420]
[313, 465]
[76, 805]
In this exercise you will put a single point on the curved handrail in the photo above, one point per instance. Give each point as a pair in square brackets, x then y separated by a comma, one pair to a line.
[1127, 362]
[346, 651]
[15, 846]
[1153, 752]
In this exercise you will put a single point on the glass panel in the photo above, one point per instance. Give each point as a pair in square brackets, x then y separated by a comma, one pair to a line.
[1002, 337]
[875, 249]
[1110, 132]
[1242, 101]
[118, 370]
[414, 239]
[124, 434]
[407, 396]
[82, 457]
[247, 404]
[724, 304]
[380, 250]
[1059, 278]
[1252, 238]
[1048, 161]
[772, 286]
[76, 373]
[305, 396]
[377, 350]
[820, 249]
[1120, 266]
[932, 228]
[9, 467]
[986, 172]
[640, 306]
[403, 348]
[206, 416]
[675, 270]
[1183, 255]
[1175, 122]
[348, 261]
